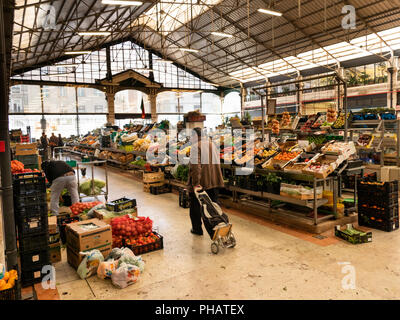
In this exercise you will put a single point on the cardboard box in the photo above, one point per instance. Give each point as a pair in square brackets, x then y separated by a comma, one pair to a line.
[52, 224]
[75, 259]
[55, 252]
[88, 234]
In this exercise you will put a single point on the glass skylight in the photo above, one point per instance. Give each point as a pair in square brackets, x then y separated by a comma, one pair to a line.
[167, 17]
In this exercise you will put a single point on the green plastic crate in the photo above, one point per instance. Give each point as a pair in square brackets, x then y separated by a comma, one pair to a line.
[71, 163]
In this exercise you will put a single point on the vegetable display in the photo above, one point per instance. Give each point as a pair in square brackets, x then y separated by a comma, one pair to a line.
[79, 207]
[182, 173]
[286, 156]
[86, 187]
[126, 227]
[18, 167]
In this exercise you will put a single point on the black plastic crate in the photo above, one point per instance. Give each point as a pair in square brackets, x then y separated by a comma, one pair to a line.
[35, 258]
[10, 294]
[34, 242]
[32, 276]
[386, 212]
[379, 188]
[121, 204]
[184, 199]
[157, 245]
[385, 200]
[29, 184]
[28, 200]
[380, 224]
[161, 189]
[32, 224]
[32, 210]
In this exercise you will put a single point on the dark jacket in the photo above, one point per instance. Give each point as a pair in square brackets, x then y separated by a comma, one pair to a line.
[209, 174]
[55, 168]
[44, 142]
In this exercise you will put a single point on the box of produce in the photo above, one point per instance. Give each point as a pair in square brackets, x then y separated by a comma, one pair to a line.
[88, 234]
[129, 227]
[121, 204]
[352, 235]
[144, 244]
[340, 121]
[302, 163]
[283, 159]
[299, 192]
[286, 122]
[346, 149]
[321, 119]
[322, 166]
[307, 126]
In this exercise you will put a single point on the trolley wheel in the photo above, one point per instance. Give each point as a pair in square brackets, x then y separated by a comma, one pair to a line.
[232, 240]
[214, 248]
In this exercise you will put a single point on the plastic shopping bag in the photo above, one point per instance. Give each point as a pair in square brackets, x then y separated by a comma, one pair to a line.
[90, 263]
[125, 275]
[106, 269]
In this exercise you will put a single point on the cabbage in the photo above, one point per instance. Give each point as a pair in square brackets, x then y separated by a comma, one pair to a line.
[86, 187]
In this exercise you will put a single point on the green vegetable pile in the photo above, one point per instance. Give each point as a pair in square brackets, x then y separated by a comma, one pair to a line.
[139, 162]
[86, 187]
[182, 173]
[317, 139]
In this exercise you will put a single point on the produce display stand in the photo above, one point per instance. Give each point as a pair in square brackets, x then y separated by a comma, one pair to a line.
[92, 164]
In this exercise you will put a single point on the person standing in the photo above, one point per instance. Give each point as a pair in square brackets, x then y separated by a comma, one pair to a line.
[61, 176]
[205, 173]
[44, 142]
[53, 143]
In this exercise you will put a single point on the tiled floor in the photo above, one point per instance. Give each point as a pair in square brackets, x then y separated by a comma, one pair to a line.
[269, 261]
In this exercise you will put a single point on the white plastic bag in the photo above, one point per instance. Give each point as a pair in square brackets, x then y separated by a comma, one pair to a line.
[106, 269]
[90, 263]
[125, 275]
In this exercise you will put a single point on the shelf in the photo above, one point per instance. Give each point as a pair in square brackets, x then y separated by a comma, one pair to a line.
[303, 203]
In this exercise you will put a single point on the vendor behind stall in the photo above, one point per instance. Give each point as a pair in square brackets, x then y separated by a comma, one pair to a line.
[60, 175]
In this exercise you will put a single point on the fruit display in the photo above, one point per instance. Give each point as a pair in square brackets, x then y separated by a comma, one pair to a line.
[340, 121]
[321, 120]
[142, 240]
[286, 120]
[141, 145]
[307, 126]
[331, 115]
[18, 167]
[7, 280]
[127, 227]
[83, 207]
[286, 156]
[275, 126]
[317, 139]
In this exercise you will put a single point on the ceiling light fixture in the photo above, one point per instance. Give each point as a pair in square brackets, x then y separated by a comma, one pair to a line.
[271, 12]
[77, 52]
[188, 49]
[94, 33]
[122, 2]
[164, 61]
[59, 74]
[221, 34]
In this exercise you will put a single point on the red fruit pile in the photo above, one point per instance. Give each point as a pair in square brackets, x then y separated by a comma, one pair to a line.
[126, 227]
[79, 207]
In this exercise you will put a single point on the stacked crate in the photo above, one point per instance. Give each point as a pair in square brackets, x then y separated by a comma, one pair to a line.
[27, 153]
[378, 205]
[31, 218]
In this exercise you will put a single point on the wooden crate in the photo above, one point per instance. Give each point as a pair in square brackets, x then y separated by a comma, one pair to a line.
[26, 149]
[151, 177]
[146, 186]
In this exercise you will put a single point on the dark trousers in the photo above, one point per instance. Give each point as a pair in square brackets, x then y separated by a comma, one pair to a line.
[195, 212]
